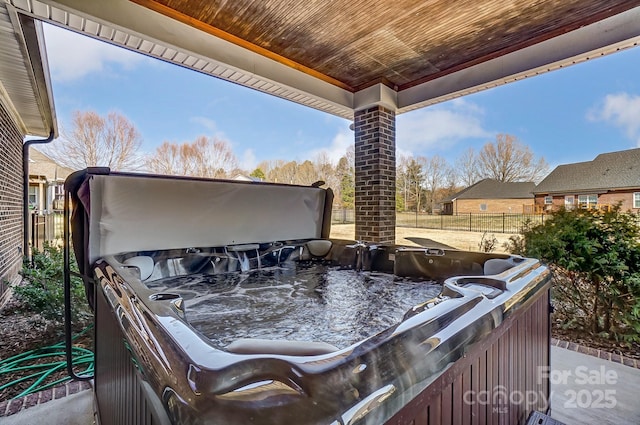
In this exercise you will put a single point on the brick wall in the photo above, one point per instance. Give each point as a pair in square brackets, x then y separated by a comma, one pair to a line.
[610, 198]
[375, 166]
[495, 206]
[10, 199]
[558, 201]
[626, 197]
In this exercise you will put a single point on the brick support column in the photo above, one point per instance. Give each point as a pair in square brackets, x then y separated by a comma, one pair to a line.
[375, 167]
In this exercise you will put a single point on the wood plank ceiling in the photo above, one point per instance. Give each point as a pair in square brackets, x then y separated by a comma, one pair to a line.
[355, 44]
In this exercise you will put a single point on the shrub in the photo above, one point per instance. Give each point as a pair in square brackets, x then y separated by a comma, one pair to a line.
[595, 256]
[42, 290]
[487, 244]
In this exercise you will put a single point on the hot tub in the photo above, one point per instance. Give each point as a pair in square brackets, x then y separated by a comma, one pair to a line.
[220, 302]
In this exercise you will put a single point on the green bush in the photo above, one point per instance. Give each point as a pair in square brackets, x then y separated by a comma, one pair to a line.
[42, 289]
[595, 256]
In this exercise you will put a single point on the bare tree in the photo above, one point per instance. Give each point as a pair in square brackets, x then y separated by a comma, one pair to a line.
[292, 172]
[326, 171]
[415, 177]
[307, 173]
[402, 182]
[435, 173]
[451, 184]
[97, 141]
[283, 172]
[508, 160]
[204, 157]
[268, 166]
[213, 157]
[467, 168]
[168, 159]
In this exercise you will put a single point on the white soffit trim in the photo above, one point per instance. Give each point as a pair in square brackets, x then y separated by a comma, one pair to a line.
[610, 35]
[128, 25]
[25, 89]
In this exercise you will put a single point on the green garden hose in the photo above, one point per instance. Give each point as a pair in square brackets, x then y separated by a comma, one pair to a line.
[40, 373]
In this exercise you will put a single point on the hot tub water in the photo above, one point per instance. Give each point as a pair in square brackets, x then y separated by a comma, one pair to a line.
[295, 301]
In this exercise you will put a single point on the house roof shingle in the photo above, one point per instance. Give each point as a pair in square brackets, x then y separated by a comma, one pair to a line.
[613, 170]
[493, 189]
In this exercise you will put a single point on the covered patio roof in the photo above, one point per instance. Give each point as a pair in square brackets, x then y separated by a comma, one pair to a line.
[345, 55]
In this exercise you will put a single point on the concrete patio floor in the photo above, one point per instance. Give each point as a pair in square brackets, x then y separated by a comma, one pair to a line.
[584, 390]
[589, 390]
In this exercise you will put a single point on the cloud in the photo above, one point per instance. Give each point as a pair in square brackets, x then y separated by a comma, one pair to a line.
[73, 56]
[340, 143]
[432, 128]
[207, 123]
[439, 127]
[621, 110]
[248, 160]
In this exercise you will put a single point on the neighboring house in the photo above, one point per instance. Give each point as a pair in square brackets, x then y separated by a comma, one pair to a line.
[490, 196]
[244, 178]
[26, 108]
[46, 182]
[609, 179]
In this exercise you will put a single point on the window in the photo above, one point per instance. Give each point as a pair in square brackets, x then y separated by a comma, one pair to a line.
[33, 197]
[587, 201]
[636, 200]
[483, 207]
[58, 197]
[569, 200]
[548, 200]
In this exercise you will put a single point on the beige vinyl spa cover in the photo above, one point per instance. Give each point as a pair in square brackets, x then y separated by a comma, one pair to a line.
[136, 212]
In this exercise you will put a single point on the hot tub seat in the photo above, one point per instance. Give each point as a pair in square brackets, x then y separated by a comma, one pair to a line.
[409, 262]
[285, 348]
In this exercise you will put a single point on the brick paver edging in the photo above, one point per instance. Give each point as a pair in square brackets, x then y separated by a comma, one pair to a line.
[10, 407]
[616, 358]
[13, 406]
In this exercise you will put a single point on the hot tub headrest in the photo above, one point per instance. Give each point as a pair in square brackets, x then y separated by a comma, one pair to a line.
[319, 247]
[143, 263]
[287, 348]
[498, 265]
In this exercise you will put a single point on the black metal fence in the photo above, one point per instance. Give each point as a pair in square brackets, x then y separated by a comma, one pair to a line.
[469, 222]
[343, 216]
[45, 227]
[472, 222]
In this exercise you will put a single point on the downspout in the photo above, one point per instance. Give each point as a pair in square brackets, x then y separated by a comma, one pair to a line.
[25, 193]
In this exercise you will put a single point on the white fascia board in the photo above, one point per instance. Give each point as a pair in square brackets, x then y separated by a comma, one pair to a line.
[43, 84]
[378, 94]
[604, 37]
[149, 25]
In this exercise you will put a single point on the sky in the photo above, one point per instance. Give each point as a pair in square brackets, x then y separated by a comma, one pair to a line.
[568, 115]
